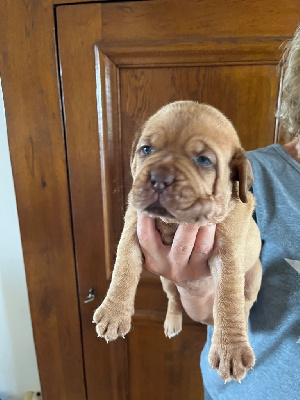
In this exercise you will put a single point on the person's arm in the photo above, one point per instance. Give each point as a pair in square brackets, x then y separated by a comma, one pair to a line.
[184, 263]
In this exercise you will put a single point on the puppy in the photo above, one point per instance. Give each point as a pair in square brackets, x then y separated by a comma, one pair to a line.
[188, 167]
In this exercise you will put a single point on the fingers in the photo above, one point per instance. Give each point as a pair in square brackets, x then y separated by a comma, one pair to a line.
[203, 246]
[186, 259]
[149, 237]
[154, 250]
[182, 245]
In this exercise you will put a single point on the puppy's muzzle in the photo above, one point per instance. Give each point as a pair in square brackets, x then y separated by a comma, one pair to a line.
[161, 178]
[157, 209]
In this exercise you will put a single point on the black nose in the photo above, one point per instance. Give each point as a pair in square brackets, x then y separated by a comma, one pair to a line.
[161, 178]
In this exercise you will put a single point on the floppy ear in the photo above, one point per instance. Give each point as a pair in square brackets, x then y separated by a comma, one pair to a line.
[241, 171]
[133, 148]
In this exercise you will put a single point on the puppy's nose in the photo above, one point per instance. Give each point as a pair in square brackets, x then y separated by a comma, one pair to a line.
[161, 178]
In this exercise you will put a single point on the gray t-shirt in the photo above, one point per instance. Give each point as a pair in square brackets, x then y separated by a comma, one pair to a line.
[274, 328]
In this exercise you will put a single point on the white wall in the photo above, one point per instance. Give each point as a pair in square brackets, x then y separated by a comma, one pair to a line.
[18, 367]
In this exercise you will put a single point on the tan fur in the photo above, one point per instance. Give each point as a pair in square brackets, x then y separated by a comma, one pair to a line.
[179, 133]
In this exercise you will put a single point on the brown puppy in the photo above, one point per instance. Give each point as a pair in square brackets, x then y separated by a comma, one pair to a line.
[188, 167]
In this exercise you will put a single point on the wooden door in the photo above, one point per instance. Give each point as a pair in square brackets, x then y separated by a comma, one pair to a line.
[120, 62]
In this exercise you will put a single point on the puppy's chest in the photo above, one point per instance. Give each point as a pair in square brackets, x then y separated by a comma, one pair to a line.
[166, 230]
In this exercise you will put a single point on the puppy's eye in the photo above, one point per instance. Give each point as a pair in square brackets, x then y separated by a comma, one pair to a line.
[146, 150]
[202, 161]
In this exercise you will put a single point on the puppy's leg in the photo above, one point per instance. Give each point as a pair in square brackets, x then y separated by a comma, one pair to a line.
[113, 317]
[230, 351]
[252, 285]
[173, 321]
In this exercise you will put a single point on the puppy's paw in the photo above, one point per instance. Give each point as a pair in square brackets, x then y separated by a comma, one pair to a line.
[112, 322]
[173, 324]
[231, 361]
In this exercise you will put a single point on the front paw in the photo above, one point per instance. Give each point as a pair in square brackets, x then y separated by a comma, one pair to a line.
[112, 321]
[231, 361]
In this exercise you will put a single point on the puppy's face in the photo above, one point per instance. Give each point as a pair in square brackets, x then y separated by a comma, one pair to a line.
[182, 164]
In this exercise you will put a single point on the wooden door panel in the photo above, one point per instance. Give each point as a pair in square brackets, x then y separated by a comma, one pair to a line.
[119, 64]
[77, 59]
[258, 23]
[247, 95]
[151, 351]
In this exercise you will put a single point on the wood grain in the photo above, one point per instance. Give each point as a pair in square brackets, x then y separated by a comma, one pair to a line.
[36, 140]
[107, 78]
[189, 21]
[151, 351]
[88, 80]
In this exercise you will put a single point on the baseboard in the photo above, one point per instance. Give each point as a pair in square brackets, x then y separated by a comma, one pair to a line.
[33, 396]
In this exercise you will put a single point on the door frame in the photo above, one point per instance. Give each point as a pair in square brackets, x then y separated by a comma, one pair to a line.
[29, 70]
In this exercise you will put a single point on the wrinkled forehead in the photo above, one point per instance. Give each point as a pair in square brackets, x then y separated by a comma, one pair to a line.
[178, 129]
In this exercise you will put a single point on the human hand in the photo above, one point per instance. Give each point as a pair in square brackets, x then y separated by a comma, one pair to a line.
[185, 261]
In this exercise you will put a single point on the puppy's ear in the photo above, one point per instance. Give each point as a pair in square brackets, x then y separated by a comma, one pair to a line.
[133, 149]
[241, 171]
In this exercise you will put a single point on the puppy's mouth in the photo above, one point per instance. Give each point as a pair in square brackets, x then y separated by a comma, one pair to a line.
[157, 208]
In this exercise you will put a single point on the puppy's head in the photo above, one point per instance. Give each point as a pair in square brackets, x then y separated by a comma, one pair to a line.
[186, 162]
